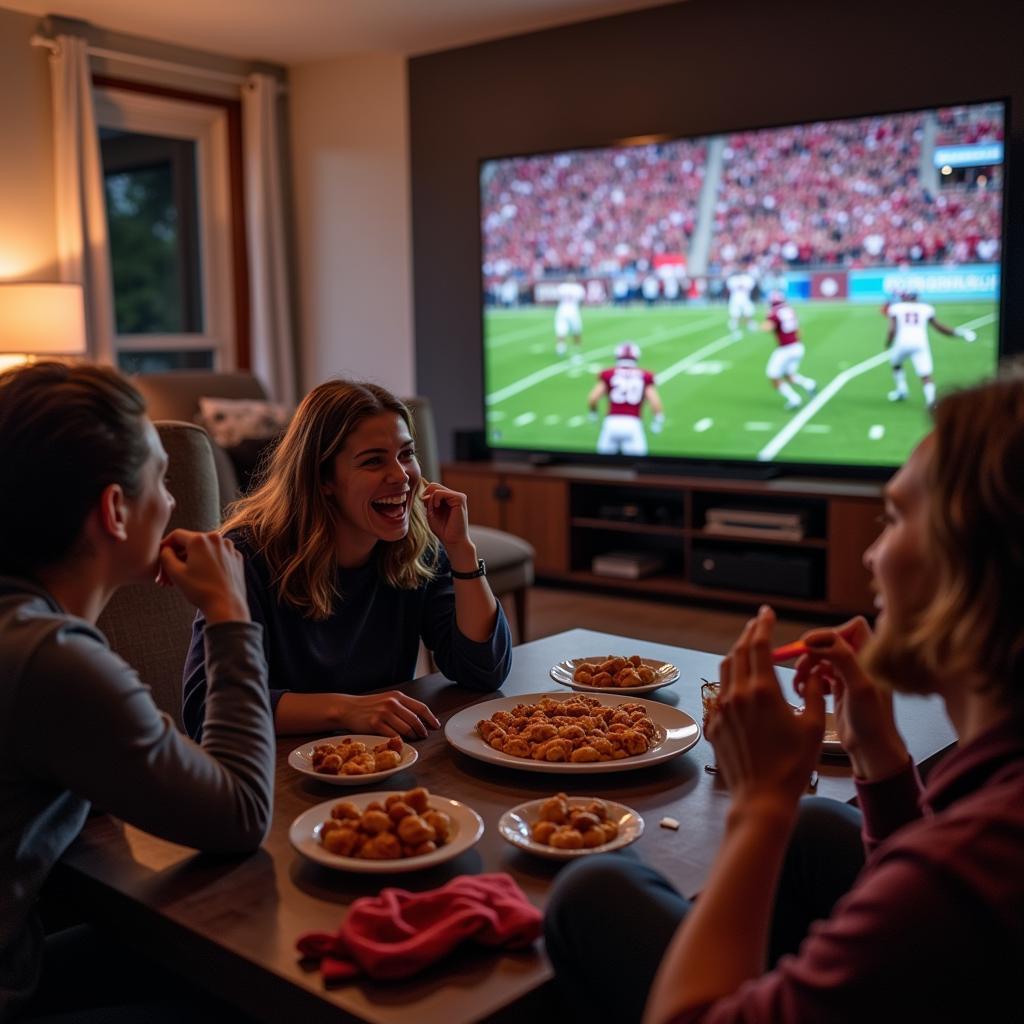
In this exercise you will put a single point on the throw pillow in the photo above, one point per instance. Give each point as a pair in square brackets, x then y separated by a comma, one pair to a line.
[230, 421]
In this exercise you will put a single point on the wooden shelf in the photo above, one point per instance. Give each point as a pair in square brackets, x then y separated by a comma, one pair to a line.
[558, 510]
[808, 542]
[621, 526]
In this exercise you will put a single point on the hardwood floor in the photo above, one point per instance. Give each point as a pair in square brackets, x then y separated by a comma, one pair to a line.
[552, 610]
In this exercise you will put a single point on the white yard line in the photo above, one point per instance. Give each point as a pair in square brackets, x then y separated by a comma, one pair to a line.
[695, 357]
[657, 337]
[789, 431]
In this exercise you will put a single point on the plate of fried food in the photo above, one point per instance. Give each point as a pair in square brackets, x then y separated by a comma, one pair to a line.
[613, 673]
[353, 760]
[564, 828]
[579, 733]
[386, 833]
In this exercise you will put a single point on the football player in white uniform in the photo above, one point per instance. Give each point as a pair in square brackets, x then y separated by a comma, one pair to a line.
[908, 339]
[567, 316]
[627, 387]
[740, 285]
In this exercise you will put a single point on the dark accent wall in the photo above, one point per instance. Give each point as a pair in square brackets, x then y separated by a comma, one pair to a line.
[694, 68]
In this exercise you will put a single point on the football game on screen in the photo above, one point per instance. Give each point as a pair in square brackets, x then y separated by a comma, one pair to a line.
[799, 294]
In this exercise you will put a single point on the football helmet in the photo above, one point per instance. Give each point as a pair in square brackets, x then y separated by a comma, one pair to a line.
[628, 350]
[776, 299]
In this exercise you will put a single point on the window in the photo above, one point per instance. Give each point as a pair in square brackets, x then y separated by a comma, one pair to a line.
[172, 223]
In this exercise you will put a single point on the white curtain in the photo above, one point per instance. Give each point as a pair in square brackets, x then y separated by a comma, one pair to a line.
[83, 249]
[273, 358]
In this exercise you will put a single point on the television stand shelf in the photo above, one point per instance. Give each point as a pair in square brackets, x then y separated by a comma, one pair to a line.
[796, 543]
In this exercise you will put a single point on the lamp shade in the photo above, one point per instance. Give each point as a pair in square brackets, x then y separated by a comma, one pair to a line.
[41, 319]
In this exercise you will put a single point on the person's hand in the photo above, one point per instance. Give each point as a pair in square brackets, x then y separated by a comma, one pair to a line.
[863, 710]
[657, 423]
[764, 750]
[209, 571]
[391, 713]
[966, 333]
[592, 416]
[447, 517]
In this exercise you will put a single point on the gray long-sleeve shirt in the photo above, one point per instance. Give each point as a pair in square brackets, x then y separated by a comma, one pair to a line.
[78, 726]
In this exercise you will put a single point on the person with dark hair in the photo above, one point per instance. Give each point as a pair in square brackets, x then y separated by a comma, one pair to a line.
[84, 510]
[351, 560]
[926, 920]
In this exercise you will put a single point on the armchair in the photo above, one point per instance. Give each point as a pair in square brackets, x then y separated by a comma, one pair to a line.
[175, 396]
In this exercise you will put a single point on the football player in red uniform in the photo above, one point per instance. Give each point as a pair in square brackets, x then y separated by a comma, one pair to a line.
[627, 387]
[783, 367]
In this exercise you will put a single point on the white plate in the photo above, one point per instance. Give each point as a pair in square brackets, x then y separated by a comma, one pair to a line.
[301, 759]
[515, 824]
[563, 673]
[675, 732]
[305, 836]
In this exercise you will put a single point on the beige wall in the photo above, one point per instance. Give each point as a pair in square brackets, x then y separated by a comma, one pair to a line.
[350, 164]
[28, 241]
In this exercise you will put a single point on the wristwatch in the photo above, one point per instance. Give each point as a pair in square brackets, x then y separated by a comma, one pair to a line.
[480, 570]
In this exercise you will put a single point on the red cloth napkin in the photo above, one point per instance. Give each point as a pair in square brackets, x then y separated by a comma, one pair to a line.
[398, 933]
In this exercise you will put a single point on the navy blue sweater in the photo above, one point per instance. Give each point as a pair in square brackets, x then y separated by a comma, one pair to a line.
[369, 642]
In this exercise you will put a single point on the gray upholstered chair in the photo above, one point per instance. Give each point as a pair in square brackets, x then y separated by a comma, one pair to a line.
[175, 396]
[149, 626]
[509, 558]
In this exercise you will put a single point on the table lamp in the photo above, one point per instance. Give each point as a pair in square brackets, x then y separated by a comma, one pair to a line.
[41, 319]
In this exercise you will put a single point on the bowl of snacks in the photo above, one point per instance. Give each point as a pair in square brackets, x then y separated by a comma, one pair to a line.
[353, 760]
[614, 673]
[384, 833]
[564, 828]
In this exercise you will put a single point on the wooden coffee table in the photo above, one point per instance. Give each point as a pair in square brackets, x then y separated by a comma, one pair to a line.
[231, 925]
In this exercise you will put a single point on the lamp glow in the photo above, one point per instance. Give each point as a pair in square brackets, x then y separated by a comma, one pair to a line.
[39, 319]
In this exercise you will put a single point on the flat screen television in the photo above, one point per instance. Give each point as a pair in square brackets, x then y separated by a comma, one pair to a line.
[789, 297]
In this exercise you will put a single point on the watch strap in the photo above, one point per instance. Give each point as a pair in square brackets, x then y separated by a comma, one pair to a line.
[480, 570]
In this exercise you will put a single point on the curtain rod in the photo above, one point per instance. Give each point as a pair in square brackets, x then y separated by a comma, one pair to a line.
[149, 62]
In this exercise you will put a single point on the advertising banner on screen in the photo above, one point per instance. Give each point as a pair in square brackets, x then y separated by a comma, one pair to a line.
[972, 281]
[830, 285]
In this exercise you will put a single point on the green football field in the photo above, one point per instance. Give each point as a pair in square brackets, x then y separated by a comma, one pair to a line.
[718, 401]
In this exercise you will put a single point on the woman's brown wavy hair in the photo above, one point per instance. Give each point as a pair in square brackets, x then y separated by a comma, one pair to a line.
[292, 523]
[972, 627]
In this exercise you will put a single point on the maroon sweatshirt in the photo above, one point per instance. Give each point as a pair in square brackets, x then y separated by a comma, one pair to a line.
[933, 929]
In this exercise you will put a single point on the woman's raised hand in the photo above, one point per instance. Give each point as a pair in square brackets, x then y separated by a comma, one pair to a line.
[863, 710]
[447, 515]
[209, 571]
[764, 750]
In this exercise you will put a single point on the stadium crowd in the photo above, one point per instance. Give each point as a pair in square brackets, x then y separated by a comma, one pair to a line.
[844, 193]
[582, 210]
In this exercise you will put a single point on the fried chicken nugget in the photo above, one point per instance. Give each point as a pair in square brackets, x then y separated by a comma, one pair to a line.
[330, 765]
[385, 760]
[341, 841]
[361, 764]
[516, 746]
[346, 811]
[441, 823]
[566, 839]
[417, 799]
[375, 822]
[542, 831]
[383, 846]
[584, 755]
[555, 809]
[413, 830]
